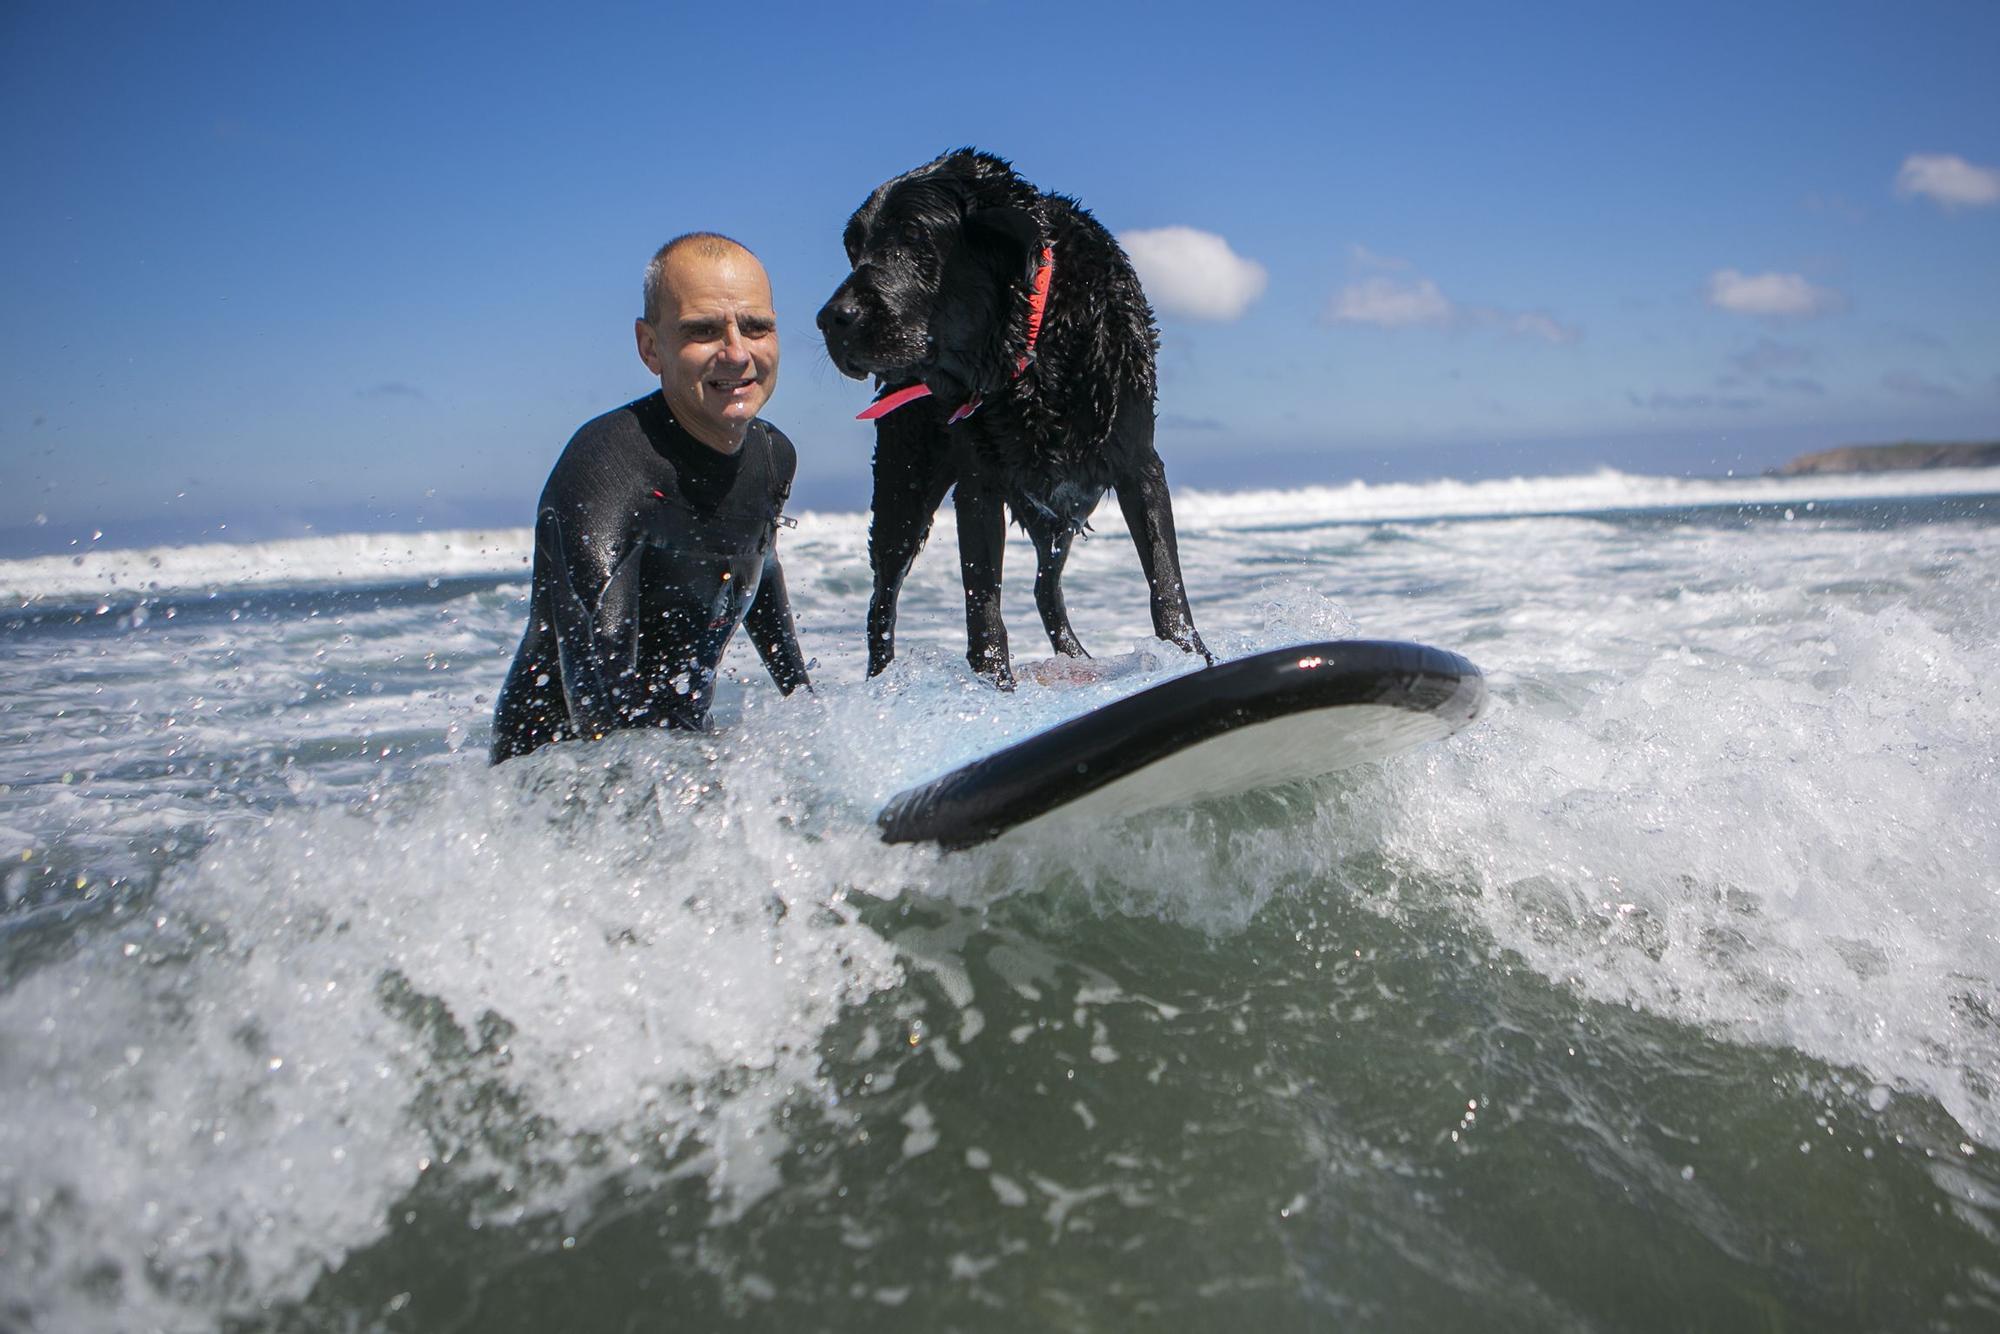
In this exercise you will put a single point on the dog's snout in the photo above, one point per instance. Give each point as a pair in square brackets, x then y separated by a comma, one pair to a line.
[839, 315]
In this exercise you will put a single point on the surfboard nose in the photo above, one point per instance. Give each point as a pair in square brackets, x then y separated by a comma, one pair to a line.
[1280, 716]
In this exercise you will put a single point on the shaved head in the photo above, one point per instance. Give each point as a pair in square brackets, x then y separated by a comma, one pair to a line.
[711, 335]
[702, 245]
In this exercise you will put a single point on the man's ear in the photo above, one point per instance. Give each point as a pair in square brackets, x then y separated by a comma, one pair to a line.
[649, 346]
[1013, 228]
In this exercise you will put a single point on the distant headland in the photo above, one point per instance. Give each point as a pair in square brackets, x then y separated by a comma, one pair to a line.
[1891, 458]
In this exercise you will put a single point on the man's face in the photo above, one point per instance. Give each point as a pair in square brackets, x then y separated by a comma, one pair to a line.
[716, 346]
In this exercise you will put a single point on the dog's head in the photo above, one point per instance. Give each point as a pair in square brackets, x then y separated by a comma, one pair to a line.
[943, 258]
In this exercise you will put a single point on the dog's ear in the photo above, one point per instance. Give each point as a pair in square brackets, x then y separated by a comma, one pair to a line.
[1011, 227]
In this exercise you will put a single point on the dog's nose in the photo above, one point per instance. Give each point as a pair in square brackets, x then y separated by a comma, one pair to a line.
[838, 315]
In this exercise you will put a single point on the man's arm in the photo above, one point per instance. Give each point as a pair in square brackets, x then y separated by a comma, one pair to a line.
[769, 622]
[595, 609]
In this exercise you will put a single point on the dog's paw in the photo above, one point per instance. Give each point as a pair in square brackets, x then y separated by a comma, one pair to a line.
[1191, 643]
[1063, 671]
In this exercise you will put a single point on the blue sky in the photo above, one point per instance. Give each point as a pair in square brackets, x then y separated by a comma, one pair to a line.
[271, 266]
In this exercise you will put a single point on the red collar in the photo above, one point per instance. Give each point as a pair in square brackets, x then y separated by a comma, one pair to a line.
[1038, 302]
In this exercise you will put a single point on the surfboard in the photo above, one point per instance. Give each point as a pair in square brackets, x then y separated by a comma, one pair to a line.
[1274, 717]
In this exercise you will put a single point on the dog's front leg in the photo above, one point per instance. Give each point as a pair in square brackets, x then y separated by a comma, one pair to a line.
[982, 541]
[914, 467]
[1149, 513]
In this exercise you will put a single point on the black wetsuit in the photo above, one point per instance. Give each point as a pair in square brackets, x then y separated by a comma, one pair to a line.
[649, 548]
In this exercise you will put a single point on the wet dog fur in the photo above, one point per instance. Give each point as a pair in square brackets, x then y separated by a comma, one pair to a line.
[944, 259]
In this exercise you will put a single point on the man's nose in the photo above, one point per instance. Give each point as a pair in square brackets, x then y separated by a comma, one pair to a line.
[735, 346]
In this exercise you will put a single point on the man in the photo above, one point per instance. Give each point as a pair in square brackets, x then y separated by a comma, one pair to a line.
[657, 531]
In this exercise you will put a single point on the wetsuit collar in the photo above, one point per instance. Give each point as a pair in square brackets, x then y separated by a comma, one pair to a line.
[1038, 301]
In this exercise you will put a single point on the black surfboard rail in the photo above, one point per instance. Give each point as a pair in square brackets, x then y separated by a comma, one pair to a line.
[985, 798]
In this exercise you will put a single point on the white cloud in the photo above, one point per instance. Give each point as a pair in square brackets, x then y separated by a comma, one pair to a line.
[1416, 301]
[1194, 273]
[1772, 295]
[1536, 324]
[1662, 401]
[1364, 258]
[1391, 304]
[1948, 180]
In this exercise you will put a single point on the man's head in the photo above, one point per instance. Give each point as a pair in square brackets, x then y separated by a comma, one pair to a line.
[710, 334]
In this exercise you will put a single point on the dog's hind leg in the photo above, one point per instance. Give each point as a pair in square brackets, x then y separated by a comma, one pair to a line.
[1149, 513]
[1052, 541]
[982, 542]
[914, 467]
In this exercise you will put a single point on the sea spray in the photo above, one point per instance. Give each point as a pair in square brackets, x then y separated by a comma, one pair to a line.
[1664, 996]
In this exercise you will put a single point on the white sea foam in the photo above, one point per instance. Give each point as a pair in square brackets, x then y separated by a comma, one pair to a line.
[344, 558]
[1606, 489]
[1742, 778]
[1738, 773]
[378, 557]
[542, 976]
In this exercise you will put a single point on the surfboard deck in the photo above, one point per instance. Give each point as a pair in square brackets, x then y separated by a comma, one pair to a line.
[1274, 717]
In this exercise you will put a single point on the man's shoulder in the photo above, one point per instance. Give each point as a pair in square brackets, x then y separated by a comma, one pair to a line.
[619, 428]
[620, 423]
[784, 455]
[595, 460]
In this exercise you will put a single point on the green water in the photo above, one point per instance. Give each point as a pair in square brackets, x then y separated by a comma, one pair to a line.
[310, 1021]
[1352, 1114]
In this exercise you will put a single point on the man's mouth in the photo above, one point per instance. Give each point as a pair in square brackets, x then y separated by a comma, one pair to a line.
[730, 386]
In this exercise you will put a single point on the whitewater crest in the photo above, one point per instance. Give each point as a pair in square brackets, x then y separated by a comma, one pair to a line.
[285, 964]
[122, 573]
[532, 981]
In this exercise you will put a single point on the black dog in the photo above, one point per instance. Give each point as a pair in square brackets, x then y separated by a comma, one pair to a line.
[1017, 350]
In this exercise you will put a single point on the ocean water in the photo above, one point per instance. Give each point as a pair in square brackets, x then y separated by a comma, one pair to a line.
[1666, 997]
